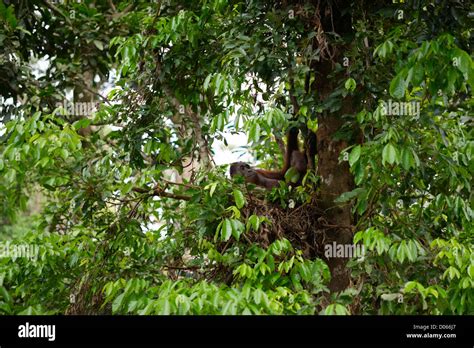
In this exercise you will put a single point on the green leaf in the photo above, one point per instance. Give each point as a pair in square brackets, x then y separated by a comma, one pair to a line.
[211, 187]
[384, 49]
[239, 198]
[254, 132]
[217, 84]
[257, 296]
[354, 155]
[99, 45]
[64, 153]
[28, 311]
[412, 251]
[237, 228]
[452, 272]
[470, 271]
[10, 175]
[407, 159]
[389, 154]
[9, 15]
[390, 297]
[43, 162]
[5, 295]
[347, 196]
[292, 175]
[165, 307]
[226, 231]
[206, 82]
[335, 309]
[303, 110]
[305, 272]
[416, 75]
[82, 123]
[359, 173]
[402, 251]
[253, 222]
[397, 86]
[409, 286]
[117, 303]
[358, 237]
[465, 62]
[350, 84]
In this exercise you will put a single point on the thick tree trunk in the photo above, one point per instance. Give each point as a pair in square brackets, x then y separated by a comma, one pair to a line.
[335, 175]
[336, 179]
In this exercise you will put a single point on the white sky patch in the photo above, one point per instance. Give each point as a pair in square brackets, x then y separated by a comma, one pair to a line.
[39, 66]
[235, 151]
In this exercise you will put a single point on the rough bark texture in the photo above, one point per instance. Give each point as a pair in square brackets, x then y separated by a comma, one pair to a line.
[336, 177]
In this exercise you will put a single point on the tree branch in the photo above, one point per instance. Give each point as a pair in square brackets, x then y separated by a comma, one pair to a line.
[112, 6]
[158, 191]
[204, 153]
[58, 11]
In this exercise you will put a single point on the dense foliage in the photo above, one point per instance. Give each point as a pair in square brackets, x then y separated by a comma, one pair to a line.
[135, 217]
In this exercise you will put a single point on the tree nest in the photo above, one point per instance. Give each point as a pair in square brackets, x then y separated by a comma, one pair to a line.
[304, 226]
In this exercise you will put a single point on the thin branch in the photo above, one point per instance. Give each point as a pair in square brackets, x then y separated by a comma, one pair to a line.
[183, 267]
[91, 91]
[58, 11]
[158, 191]
[180, 184]
[112, 6]
[195, 120]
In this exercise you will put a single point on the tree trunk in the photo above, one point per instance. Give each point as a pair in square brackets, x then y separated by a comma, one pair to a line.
[336, 177]
[335, 180]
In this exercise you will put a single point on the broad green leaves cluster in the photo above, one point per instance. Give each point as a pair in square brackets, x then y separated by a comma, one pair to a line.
[134, 221]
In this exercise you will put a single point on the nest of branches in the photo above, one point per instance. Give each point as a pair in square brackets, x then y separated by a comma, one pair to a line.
[304, 225]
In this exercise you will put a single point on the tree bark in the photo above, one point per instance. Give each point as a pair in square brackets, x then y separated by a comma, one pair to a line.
[336, 177]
